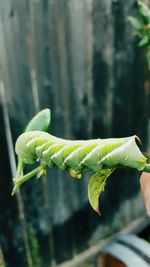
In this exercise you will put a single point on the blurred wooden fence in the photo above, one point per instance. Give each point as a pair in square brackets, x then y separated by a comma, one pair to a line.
[78, 58]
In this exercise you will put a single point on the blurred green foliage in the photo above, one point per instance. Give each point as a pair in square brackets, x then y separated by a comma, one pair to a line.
[142, 28]
[34, 247]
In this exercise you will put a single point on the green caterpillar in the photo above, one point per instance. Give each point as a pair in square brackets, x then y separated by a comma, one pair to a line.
[79, 156]
[100, 156]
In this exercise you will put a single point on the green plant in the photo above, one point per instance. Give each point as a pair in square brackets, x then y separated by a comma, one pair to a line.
[34, 247]
[101, 156]
[142, 27]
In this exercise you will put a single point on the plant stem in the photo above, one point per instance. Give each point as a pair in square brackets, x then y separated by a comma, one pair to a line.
[39, 171]
[20, 168]
[147, 168]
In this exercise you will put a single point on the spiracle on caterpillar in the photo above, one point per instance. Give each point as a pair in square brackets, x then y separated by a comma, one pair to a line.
[101, 156]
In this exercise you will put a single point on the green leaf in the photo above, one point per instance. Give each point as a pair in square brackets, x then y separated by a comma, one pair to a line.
[135, 23]
[96, 185]
[144, 12]
[144, 42]
[40, 122]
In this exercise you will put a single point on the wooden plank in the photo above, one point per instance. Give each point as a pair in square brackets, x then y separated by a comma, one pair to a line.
[4, 75]
[68, 65]
[12, 239]
[103, 68]
[18, 87]
[38, 47]
[61, 125]
[81, 44]
[20, 205]
[18, 83]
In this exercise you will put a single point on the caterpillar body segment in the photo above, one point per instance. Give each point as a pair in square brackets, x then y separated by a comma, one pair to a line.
[79, 155]
[125, 155]
[95, 156]
[58, 158]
